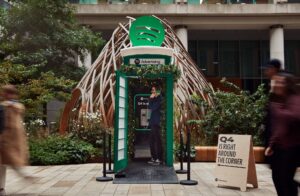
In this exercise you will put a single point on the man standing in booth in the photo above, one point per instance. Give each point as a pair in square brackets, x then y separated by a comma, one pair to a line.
[154, 124]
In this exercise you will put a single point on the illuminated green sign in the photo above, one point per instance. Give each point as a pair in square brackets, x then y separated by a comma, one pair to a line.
[147, 31]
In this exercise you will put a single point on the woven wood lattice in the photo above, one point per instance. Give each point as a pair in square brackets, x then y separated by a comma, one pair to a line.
[96, 90]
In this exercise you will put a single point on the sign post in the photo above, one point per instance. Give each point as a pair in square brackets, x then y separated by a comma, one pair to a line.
[235, 164]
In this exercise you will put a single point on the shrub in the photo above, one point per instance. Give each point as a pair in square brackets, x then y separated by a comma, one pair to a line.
[90, 128]
[236, 112]
[185, 154]
[55, 150]
[35, 128]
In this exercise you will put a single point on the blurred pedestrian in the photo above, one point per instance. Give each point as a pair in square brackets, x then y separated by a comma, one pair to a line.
[284, 143]
[13, 144]
[272, 68]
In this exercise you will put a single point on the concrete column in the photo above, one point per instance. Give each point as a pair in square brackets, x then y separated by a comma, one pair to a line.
[277, 43]
[182, 33]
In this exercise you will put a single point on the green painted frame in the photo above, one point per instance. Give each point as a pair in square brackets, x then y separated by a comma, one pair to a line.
[169, 117]
[122, 164]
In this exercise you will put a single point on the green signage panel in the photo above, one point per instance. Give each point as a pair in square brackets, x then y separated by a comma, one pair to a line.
[147, 31]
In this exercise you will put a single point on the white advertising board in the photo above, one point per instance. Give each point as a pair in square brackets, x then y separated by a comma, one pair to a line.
[235, 164]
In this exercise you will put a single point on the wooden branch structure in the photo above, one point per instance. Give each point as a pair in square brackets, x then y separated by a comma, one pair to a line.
[96, 90]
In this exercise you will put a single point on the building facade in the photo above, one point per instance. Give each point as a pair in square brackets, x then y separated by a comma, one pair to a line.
[226, 38]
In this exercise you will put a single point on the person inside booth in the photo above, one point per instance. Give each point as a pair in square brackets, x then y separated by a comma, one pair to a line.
[155, 101]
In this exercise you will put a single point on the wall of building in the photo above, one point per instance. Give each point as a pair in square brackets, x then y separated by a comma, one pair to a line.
[239, 54]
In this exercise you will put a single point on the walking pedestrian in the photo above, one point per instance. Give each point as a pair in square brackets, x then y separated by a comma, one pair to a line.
[272, 68]
[13, 144]
[284, 143]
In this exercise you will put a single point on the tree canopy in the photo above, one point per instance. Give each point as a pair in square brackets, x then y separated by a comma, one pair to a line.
[39, 42]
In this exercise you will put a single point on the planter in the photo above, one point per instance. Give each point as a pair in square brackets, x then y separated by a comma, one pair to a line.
[209, 153]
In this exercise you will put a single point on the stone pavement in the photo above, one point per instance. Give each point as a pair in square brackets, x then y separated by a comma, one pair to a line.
[71, 180]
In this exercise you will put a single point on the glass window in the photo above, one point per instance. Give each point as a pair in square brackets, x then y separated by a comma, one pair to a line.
[292, 56]
[249, 58]
[241, 60]
[193, 50]
[252, 84]
[264, 53]
[207, 54]
[229, 58]
[293, 1]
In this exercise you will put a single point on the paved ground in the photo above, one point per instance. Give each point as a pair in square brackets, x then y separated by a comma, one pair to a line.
[71, 180]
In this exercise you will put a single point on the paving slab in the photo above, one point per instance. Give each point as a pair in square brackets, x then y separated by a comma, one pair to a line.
[72, 180]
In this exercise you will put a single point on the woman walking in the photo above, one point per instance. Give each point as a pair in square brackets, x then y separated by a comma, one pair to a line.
[284, 143]
[13, 144]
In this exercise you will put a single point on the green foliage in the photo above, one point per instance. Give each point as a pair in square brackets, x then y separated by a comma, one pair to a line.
[55, 150]
[35, 128]
[37, 91]
[147, 70]
[44, 33]
[15, 73]
[38, 43]
[90, 128]
[236, 112]
[185, 154]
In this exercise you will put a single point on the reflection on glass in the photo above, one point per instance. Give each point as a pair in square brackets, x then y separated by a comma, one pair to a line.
[122, 92]
[121, 133]
[121, 144]
[229, 58]
[121, 123]
[122, 82]
[122, 102]
[292, 56]
[207, 56]
[249, 57]
[121, 154]
[121, 113]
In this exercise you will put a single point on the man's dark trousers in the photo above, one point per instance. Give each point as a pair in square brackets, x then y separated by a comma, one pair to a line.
[155, 142]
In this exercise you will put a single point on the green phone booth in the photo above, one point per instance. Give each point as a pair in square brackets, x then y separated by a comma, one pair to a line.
[146, 35]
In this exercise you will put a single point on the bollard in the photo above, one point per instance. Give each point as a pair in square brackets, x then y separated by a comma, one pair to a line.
[188, 181]
[181, 170]
[104, 178]
[109, 171]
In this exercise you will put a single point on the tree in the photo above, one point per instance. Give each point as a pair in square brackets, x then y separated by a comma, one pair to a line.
[41, 39]
[44, 33]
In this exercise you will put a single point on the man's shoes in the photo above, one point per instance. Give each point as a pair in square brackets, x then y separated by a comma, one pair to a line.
[151, 161]
[157, 162]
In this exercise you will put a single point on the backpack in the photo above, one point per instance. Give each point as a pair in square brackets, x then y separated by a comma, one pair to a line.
[2, 119]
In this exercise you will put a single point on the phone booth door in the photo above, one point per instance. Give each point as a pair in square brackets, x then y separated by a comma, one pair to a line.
[121, 123]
